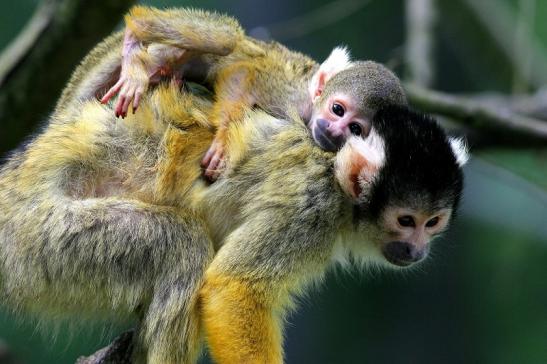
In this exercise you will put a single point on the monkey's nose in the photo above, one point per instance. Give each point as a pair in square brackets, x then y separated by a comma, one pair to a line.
[323, 124]
[402, 253]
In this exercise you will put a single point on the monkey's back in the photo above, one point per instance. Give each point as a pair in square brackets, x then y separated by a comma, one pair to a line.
[58, 191]
[75, 196]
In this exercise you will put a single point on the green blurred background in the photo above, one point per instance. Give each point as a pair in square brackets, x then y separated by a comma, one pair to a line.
[482, 297]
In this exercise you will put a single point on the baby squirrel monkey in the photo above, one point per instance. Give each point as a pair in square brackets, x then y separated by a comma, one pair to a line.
[245, 72]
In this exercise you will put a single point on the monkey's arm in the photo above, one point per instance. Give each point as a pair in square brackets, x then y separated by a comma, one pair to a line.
[157, 42]
[248, 286]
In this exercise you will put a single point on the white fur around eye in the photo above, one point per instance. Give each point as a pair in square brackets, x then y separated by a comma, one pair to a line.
[460, 150]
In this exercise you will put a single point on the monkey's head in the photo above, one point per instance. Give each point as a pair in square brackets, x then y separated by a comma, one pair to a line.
[346, 95]
[405, 180]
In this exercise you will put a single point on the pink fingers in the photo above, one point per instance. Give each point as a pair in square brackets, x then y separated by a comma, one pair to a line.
[112, 92]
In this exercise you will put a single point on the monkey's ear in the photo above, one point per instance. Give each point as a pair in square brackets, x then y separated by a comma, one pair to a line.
[338, 60]
[358, 164]
[460, 150]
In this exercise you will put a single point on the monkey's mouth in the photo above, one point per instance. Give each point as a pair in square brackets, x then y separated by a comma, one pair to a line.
[403, 254]
[325, 141]
[399, 263]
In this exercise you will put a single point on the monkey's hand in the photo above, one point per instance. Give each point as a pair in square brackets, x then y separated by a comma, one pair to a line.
[141, 66]
[214, 160]
[134, 79]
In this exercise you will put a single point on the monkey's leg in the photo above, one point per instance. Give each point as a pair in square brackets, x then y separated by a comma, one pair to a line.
[189, 29]
[248, 285]
[234, 97]
[110, 253]
[168, 36]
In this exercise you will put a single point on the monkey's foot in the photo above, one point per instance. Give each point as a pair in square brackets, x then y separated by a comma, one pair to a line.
[214, 161]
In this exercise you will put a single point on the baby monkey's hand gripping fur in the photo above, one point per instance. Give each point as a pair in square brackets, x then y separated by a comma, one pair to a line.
[252, 73]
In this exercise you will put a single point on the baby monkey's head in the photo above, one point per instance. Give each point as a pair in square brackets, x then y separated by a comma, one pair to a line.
[405, 179]
[346, 95]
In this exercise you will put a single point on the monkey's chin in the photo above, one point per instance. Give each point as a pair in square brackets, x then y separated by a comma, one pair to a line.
[401, 264]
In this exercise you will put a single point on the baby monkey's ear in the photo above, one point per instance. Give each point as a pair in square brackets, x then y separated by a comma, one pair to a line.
[338, 60]
[358, 164]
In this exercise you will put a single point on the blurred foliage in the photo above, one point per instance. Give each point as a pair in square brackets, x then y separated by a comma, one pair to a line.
[481, 298]
[530, 164]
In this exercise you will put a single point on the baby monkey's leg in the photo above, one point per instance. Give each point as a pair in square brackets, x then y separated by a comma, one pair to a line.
[157, 42]
[140, 67]
[234, 92]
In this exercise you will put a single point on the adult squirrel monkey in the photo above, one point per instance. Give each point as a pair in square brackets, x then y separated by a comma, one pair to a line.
[105, 216]
[335, 99]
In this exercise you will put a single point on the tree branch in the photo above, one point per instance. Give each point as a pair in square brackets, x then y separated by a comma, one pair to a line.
[488, 119]
[118, 352]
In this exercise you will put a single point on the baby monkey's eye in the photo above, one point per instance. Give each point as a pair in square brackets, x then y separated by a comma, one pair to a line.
[338, 109]
[406, 221]
[355, 129]
[432, 222]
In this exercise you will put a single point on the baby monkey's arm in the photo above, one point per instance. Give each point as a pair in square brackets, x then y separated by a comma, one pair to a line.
[157, 42]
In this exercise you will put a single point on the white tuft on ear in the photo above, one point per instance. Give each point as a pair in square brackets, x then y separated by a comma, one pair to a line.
[460, 150]
[338, 60]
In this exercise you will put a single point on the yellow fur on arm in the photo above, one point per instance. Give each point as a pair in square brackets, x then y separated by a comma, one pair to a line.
[239, 321]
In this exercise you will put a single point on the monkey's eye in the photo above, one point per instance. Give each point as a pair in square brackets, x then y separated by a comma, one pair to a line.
[338, 109]
[432, 222]
[406, 221]
[355, 129]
